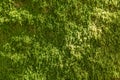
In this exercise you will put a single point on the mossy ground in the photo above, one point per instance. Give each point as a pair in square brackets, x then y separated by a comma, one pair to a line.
[59, 40]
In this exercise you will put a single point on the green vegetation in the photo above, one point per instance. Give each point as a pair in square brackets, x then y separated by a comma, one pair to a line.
[59, 39]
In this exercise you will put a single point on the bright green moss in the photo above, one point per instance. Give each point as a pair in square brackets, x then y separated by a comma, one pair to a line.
[59, 40]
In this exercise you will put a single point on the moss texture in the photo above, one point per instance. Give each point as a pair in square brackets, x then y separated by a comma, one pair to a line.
[59, 39]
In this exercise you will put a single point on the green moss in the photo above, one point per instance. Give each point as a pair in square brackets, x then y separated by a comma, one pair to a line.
[59, 40]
